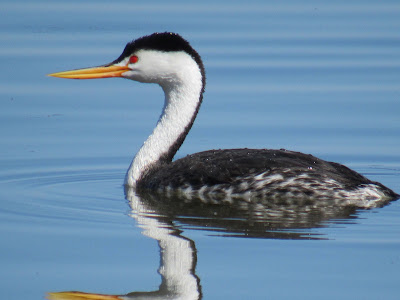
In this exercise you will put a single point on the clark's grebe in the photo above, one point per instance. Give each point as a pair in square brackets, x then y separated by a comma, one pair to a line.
[169, 60]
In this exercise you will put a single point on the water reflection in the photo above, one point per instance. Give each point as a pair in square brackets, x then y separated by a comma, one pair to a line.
[280, 219]
[165, 218]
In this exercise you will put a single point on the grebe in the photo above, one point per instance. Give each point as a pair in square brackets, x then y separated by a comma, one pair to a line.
[168, 60]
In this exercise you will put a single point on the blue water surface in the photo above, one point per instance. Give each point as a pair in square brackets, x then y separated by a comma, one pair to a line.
[319, 77]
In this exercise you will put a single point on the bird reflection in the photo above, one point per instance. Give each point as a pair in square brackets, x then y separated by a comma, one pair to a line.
[165, 217]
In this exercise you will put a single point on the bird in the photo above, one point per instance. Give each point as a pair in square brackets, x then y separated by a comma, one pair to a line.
[167, 59]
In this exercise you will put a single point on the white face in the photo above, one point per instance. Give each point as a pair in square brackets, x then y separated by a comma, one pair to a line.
[164, 68]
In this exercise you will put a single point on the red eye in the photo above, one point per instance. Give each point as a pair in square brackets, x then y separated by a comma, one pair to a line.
[133, 59]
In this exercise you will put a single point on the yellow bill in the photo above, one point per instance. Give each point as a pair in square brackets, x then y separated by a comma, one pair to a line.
[93, 73]
[80, 296]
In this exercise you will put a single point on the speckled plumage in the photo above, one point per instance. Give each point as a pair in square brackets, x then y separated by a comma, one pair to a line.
[267, 175]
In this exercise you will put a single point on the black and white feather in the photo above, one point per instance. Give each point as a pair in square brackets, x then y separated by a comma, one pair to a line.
[220, 175]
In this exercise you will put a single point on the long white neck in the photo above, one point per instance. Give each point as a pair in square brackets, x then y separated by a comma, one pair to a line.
[182, 100]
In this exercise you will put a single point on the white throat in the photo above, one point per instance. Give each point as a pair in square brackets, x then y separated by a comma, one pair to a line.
[182, 90]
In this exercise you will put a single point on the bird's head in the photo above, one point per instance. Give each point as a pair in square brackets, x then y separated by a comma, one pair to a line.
[163, 58]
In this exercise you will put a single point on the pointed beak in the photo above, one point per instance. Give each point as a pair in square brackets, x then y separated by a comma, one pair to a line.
[93, 73]
[80, 296]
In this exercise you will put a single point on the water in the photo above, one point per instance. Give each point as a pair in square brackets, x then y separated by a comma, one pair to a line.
[317, 77]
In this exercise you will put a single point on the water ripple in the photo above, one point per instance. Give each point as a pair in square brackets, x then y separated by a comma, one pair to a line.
[86, 193]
